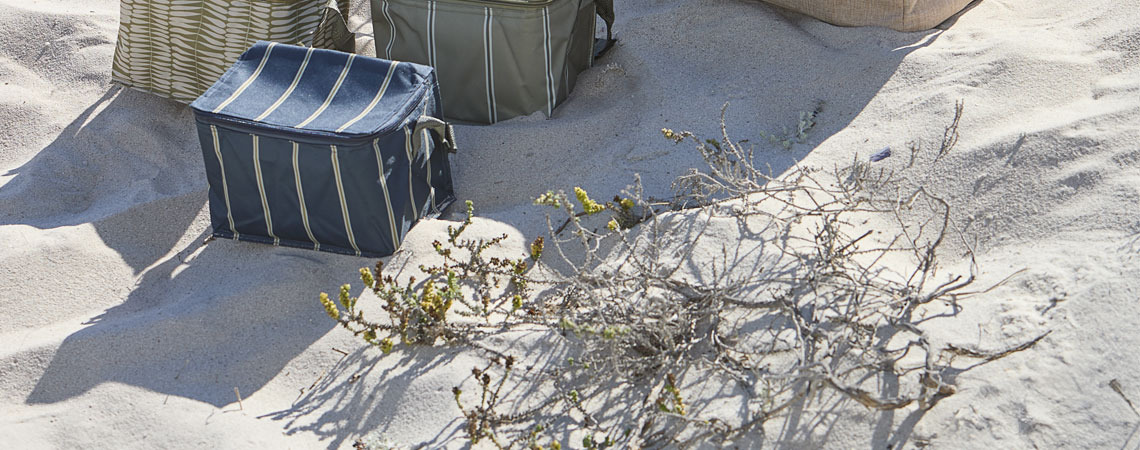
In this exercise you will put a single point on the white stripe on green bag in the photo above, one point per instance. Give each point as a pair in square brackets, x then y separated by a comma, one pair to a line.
[550, 97]
[328, 100]
[225, 186]
[301, 199]
[375, 100]
[343, 201]
[256, 73]
[431, 35]
[292, 86]
[391, 27]
[387, 199]
[261, 189]
[489, 54]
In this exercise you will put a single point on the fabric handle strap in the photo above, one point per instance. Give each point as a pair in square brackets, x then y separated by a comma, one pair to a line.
[605, 10]
[444, 130]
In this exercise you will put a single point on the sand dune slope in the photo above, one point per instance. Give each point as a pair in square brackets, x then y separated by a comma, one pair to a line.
[119, 328]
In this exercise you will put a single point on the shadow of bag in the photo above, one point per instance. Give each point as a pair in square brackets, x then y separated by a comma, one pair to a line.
[178, 48]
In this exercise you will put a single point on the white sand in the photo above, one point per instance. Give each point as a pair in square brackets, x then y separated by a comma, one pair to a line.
[119, 329]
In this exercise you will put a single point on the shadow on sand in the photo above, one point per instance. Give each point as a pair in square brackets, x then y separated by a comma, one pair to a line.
[129, 164]
[231, 315]
[228, 315]
[769, 64]
[199, 320]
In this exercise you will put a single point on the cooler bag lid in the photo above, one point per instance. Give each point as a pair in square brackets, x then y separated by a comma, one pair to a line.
[316, 92]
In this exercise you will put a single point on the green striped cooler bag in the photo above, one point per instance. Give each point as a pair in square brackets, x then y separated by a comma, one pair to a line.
[496, 59]
[325, 150]
[178, 48]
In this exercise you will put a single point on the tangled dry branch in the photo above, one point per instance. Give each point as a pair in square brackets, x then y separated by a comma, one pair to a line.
[826, 285]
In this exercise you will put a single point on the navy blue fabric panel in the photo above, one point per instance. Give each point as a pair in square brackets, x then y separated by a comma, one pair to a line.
[394, 163]
[218, 221]
[408, 85]
[322, 201]
[397, 177]
[241, 182]
[431, 168]
[274, 79]
[441, 176]
[240, 71]
[414, 186]
[407, 79]
[367, 207]
[276, 157]
[420, 189]
[326, 67]
[359, 89]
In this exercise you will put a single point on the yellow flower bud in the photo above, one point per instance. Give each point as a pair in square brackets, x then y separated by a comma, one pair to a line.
[548, 199]
[330, 307]
[536, 248]
[345, 300]
[588, 204]
[366, 277]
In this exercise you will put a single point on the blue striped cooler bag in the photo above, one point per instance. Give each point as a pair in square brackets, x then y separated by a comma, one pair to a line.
[325, 150]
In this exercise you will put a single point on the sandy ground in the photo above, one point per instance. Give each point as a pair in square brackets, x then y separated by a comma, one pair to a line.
[120, 329]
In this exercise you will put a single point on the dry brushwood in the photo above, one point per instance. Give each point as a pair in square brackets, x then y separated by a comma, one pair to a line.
[835, 302]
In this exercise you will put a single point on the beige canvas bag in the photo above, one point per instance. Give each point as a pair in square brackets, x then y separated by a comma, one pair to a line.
[901, 15]
[178, 48]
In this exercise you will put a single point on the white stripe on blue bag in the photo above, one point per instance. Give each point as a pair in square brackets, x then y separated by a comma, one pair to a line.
[225, 185]
[301, 198]
[328, 100]
[387, 199]
[289, 91]
[343, 201]
[375, 100]
[261, 189]
[249, 81]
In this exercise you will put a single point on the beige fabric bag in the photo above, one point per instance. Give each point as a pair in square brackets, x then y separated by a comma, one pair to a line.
[901, 15]
[178, 48]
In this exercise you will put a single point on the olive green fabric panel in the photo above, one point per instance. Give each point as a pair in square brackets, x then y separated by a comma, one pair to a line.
[528, 61]
[178, 48]
[902, 15]
[494, 60]
[581, 52]
[462, 70]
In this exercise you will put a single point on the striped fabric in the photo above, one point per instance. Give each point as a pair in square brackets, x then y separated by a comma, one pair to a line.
[902, 15]
[528, 52]
[178, 48]
[342, 159]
